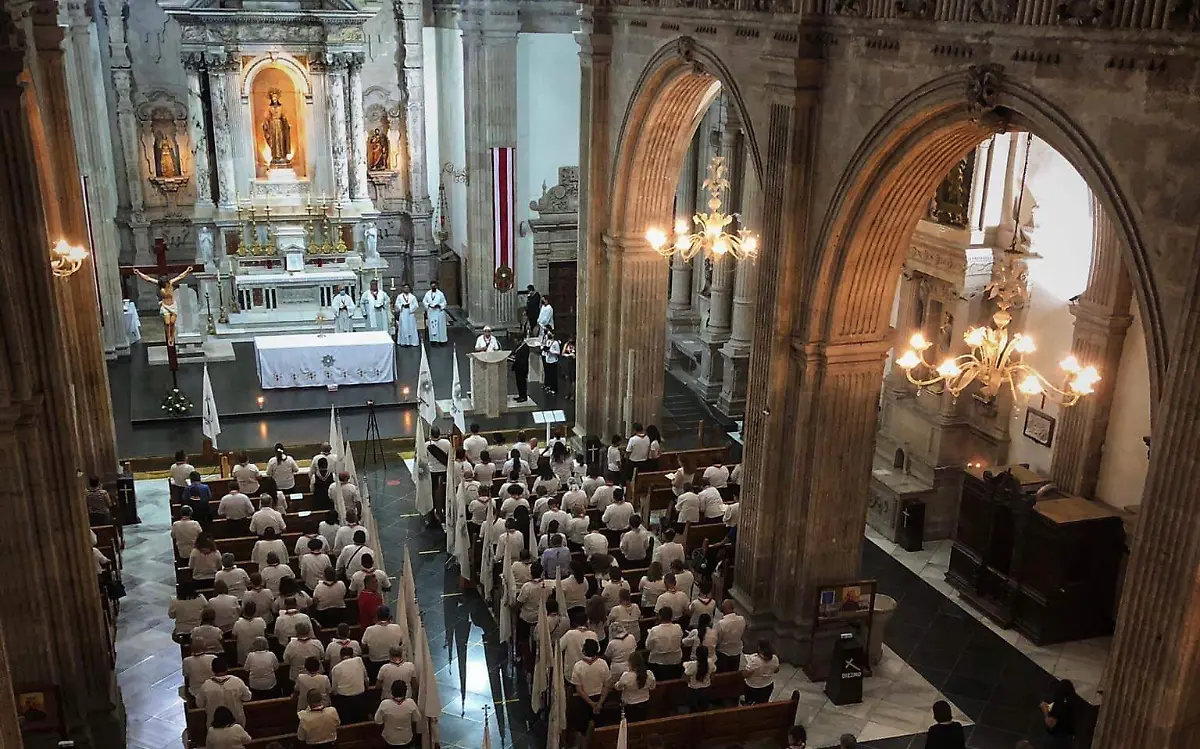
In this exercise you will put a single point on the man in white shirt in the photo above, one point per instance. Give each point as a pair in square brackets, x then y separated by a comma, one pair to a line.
[603, 496]
[669, 550]
[350, 494]
[267, 517]
[180, 471]
[635, 543]
[327, 454]
[435, 315]
[274, 571]
[247, 475]
[730, 629]
[376, 306]
[510, 542]
[595, 543]
[712, 506]
[475, 444]
[267, 545]
[574, 498]
[345, 534]
[616, 516]
[349, 682]
[398, 716]
[406, 317]
[329, 596]
[236, 579]
[354, 555]
[318, 724]
[197, 668]
[687, 506]
[554, 513]
[225, 605]
[396, 670]
[287, 624]
[672, 598]
[637, 447]
[573, 642]
[664, 645]
[486, 342]
[184, 533]
[717, 475]
[313, 564]
[592, 678]
[379, 639]
[369, 570]
[735, 476]
[545, 318]
[300, 648]
[235, 506]
[333, 651]
[343, 307]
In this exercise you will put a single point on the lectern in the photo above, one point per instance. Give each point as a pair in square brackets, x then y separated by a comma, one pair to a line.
[489, 382]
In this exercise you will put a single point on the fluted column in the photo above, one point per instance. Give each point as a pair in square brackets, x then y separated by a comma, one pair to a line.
[736, 351]
[193, 64]
[47, 529]
[358, 132]
[679, 309]
[490, 94]
[1154, 682]
[337, 126]
[636, 277]
[595, 62]
[1101, 321]
[411, 20]
[906, 325]
[218, 68]
[720, 292]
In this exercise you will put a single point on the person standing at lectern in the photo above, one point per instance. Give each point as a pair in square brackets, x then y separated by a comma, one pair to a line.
[435, 313]
[375, 304]
[551, 349]
[487, 342]
[520, 365]
[406, 318]
[343, 307]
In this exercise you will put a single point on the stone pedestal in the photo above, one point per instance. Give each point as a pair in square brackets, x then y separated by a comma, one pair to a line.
[489, 382]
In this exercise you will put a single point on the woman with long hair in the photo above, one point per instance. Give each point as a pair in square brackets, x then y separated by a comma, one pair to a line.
[651, 587]
[575, 588]
[545, 476]
[282, 467]
[634, 686]
[561, 461]
[566, 365]
[322, 478]
[698, 672]
[759, 673]
[225, 733]
[597, 619]
[703, 635]
[652, 462]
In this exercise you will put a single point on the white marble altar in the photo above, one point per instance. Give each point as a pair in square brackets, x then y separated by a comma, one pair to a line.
[319, 361]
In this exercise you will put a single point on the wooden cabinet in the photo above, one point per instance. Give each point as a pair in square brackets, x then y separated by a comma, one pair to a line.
[1047, 565]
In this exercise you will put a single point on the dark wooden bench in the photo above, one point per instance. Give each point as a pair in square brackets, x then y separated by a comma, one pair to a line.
[699, 458]
[109, 543]
[722, 727]
[264, 718]
[324, 634]
[668, 696]
[241, 546]
[353, 736]
[222, 486]
[293, 505]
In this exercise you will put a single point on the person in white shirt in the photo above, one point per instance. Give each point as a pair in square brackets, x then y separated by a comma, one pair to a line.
[248, 628]
[287, 624]
[635, 686]
[223, 690]
[184, 533]
[612, 463]
[530, 598]
[516, 462]
[681, 477]
[712, 506]
[637, 447]
[300, 648]
[261, 667]
[735, 476]
[551, 352]
[333, 651]
[398, 716]
[208, 635]
[555, 622]
[369, 570]
[620, 647]
[610, 591]
[595, 543]
[572, 643]
[514, 500]
[669, 550]
[345, 534]
[225, 732]
[381, 637]
[247, 475]
[703, 603]
[302, 548]
[624, 616]
[478, 508]
[267, 517]
[396, 670]
[730, 629]
[274, 571]
[350, 681]
[329, 598]
[687, 506]
[313, 565]
[318, 725]
[187, 609]
[283, 469]
[354, 556]
[554, 512]
[261, 596]
[226, 606]
[577, 529]
[590, 483]
[664, 644]
[702, 634]
[350, 494]
[616, 516]
[636, 542]
[311, 680]
[485, 469]
[510, 542]
[733, 514]
[180, 471]
[327, 454]
[672, 599]
[699, 672]
[197, 669]
[487, 342]
[235, 506]
[475, 444]
[328, 530]
[574, 498]
[759, 673]
[716, 475]
[651, 586]
[269, 544]
[603, 496]
[685, 579]
[545, 318]
[205, 560]
[592, 679]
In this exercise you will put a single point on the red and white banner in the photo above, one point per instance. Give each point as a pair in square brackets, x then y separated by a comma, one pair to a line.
[504, 206]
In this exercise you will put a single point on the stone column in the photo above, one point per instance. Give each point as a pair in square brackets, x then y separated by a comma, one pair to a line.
[490, 94]
[736, 351]
[10, 723]
[595, 160]
[636, 277]
[337, 65]
[411, 20]
[39, 501]
[1101, 321]
[720, 296]
[358, 132]
[679, 310]
[218, 67]
[193, 63]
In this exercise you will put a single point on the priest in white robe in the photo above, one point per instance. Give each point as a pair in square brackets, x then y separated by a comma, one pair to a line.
[343, 308]
[487, 341]
[545, 318]
[375, 305]
[406, 318]
[435, 313]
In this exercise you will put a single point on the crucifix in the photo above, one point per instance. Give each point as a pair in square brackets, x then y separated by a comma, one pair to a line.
[167, 278]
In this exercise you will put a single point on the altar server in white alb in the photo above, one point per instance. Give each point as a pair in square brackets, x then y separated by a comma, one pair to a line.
[406, 318]
[545, 316]
[375, 305]
[343, 307]
[435, 313]
[487, 341]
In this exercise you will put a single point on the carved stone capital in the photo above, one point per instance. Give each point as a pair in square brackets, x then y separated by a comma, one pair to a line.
[338, 61]
[193, 61]
[983, 92]
[222, 62]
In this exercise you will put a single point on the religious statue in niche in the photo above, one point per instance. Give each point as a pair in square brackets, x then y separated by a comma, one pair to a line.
[277, 132]
[166, 156]
[168, 307]
[377, 151]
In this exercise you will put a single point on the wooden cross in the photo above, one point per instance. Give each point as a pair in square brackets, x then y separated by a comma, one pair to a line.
[159, 269]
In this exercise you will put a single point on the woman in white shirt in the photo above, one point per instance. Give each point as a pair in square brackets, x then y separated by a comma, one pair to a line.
[204, 561]
[561, 461]
[187, 609]
[704, 635]
[652, 458]
[624, 616]
[247, 475]
[575, 588]
[759, 673]
[634, 686]
[612, 467]
[283, 469]
[261, 668]
[698, 672]
[610, 592]
[651, 586]
[546, 476]
[247, 629]
[551, 349]
[224, 733]
[618, 653]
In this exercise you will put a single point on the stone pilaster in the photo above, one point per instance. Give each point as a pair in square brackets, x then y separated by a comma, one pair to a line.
[410, 19]
[122, 78]
[89, 113]
[1155, 677]
[193, 64]
[358, 132]
[906, 325]
[1101, 321]
[595, 63]
[636, 277]
[720, 296]
[736, 351]
[39, 501]
[219, 66]
[680, 314]
[10, 722]
[336, 106]
[490, 83]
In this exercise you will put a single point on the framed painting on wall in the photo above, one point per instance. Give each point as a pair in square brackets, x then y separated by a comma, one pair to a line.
[1039, 426]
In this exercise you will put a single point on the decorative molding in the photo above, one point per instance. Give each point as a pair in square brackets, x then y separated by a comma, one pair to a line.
[993, 11]
[562, 198]
[983, 92]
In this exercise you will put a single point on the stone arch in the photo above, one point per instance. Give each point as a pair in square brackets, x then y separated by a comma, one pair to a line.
[678, 83]
[283, 61]
[878, 200]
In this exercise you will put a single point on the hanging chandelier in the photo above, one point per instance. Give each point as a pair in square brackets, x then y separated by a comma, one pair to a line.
[711, 237]
[996, 353]
[65, 258]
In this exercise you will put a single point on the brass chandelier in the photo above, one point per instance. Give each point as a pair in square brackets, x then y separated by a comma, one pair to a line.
[711, 237]
[66, 258]
[996, 355]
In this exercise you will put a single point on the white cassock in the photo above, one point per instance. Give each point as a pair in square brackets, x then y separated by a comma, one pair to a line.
[482, 344]
[406, 320]
[343, 307]
[375, 306]
[546, 317]
[435, 315]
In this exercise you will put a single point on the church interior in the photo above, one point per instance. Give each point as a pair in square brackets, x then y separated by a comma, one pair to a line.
[866, 332]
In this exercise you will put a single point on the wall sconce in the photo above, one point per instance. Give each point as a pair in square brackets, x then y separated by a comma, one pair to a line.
[65, 258]
[459, 176]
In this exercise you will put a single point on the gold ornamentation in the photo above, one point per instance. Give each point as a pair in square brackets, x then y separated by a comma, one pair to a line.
[711, 237]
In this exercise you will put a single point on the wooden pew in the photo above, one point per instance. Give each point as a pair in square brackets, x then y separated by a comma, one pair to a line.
[695, 534]
[263, 718]
[109, 543]
[722, 727]
[324, 634]
[353, 736]
[222, 486]
[668, 696]
[297, 522]
[700, 458]
[241, 546]
[294, 505]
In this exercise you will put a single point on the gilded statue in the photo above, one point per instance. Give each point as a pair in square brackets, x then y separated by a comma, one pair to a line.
[168, 307]
[166, 157]
[277, 131]
[377, 151]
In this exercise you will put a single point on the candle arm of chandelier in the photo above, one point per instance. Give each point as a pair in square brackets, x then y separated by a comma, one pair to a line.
[1063, 397]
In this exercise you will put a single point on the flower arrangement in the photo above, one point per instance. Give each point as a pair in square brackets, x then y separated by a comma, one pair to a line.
[176, 403]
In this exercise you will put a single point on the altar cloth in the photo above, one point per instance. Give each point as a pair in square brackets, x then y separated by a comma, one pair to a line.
[308, 360]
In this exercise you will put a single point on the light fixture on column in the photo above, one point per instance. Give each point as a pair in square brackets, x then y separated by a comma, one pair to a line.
[711, 237]
[65, 258]
[996, 355]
